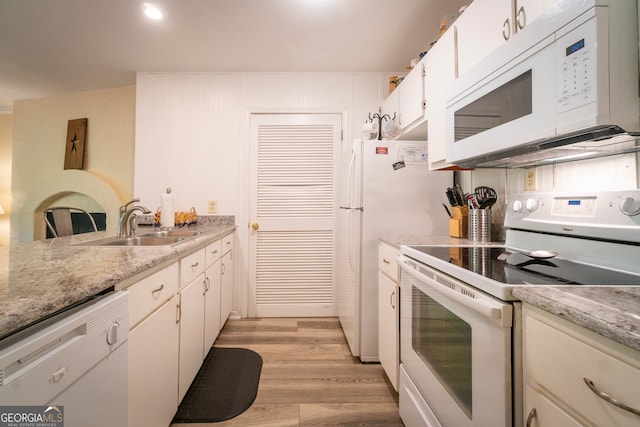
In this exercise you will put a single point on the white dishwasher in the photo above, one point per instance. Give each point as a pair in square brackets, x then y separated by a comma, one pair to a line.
[76, 360]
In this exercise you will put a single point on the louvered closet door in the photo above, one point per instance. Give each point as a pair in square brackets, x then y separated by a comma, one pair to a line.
[292, 214]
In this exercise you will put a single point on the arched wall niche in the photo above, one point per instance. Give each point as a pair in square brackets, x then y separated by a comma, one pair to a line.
[78, 188]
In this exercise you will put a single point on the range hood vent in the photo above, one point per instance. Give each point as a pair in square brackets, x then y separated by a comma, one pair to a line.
[589, 143]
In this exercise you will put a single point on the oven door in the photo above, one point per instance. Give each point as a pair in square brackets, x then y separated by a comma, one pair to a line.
[456, 347]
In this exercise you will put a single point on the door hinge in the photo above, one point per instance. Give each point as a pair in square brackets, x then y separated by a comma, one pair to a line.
[341, 134]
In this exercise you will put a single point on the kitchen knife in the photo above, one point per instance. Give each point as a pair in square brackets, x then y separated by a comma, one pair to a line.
[452, 199]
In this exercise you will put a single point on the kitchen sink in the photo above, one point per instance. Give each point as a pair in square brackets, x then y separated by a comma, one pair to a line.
[171, 233]
[155, 238]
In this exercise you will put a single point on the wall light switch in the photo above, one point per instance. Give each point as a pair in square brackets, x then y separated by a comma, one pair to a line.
[213, 206]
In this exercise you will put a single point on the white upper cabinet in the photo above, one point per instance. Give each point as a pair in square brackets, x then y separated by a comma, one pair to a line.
[528, 10]
[483, 26]
[440, 64]
[486, 24]
[411, 104]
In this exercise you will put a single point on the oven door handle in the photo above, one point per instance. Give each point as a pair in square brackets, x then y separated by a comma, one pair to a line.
[498, 312]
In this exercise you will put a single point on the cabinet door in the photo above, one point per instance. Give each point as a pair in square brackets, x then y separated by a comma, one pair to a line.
[440, 65]
[153, 363]
[528, 10]
[191, 333]
[411, 98]
[211, 306]
[483, 26]
[226, 287]
[388, 327]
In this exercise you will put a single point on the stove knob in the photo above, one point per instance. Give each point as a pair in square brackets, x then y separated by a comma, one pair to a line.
[532, 205]
[630, 206]
[517, 206]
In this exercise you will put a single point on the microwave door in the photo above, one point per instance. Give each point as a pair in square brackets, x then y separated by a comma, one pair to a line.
[508, 108]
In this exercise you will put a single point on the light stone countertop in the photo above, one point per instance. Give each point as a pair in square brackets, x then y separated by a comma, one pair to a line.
[611, 311]
[41, 278]
[400, 240]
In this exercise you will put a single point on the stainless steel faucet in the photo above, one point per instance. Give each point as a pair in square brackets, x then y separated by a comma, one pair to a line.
[125, 226]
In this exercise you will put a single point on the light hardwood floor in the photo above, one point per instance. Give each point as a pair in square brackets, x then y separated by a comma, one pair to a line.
[309, 377]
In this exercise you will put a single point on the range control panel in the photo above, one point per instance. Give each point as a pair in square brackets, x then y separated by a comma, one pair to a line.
[611, 215]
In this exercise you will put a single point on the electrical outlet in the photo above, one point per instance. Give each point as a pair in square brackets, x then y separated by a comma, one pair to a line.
[213, 206]
[531, 180]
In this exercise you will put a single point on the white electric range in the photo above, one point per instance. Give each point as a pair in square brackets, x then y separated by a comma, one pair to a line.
[460, 324]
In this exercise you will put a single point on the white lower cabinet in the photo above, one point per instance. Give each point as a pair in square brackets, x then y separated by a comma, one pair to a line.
[212, 319]
[191, 333]
[153, 359]
[388, 312]
[176, 315]
[226, 284]
[559, 359]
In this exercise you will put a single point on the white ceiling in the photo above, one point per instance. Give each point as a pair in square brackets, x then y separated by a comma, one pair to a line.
[57, 46]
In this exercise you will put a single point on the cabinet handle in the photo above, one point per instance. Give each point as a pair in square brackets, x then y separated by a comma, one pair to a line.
[153, 292]
[521, 18]
[386, 261]
[194, 266]
[391, 299]
[214, 252]
[506, 29]
[178, 313]
[532, 415]
[605, 396]
[222, 268]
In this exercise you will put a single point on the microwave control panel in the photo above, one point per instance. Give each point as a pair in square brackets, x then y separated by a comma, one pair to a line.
[577, 58]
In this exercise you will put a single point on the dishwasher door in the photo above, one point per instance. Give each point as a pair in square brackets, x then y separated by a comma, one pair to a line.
[76, 362]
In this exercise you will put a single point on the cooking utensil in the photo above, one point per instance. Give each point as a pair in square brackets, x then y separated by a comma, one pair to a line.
[485, 197]
[534, 254]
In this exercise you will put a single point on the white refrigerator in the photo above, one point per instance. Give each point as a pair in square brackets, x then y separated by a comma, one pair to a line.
[385, 189]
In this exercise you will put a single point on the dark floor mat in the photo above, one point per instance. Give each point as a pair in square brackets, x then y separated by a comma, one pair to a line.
[225, 386]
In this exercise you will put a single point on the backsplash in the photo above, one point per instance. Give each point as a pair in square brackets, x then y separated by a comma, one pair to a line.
[227, 220]
[618, 172]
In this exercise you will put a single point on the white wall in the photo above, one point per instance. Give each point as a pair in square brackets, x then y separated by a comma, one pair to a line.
[192, 129]
[618, 172]
[39, 139]
[6, 138]
[192, 133]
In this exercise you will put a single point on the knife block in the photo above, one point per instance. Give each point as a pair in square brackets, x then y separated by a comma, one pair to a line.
[459, 223]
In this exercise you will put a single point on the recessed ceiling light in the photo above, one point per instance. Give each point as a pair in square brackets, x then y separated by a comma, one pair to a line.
[152, 11]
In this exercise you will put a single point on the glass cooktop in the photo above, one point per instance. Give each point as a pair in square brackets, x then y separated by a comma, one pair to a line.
[498, 264]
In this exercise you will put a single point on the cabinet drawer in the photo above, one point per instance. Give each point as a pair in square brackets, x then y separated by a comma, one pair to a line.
[227, 243]
[213, 252]
[151, 292]
[559, 359]
[191, 266]
[546, 413]
[387, 261]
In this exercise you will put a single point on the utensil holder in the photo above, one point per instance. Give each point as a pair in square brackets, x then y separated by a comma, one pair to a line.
[479, 225]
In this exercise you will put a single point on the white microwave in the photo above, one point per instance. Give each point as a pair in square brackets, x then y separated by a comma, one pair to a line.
[566, 87]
